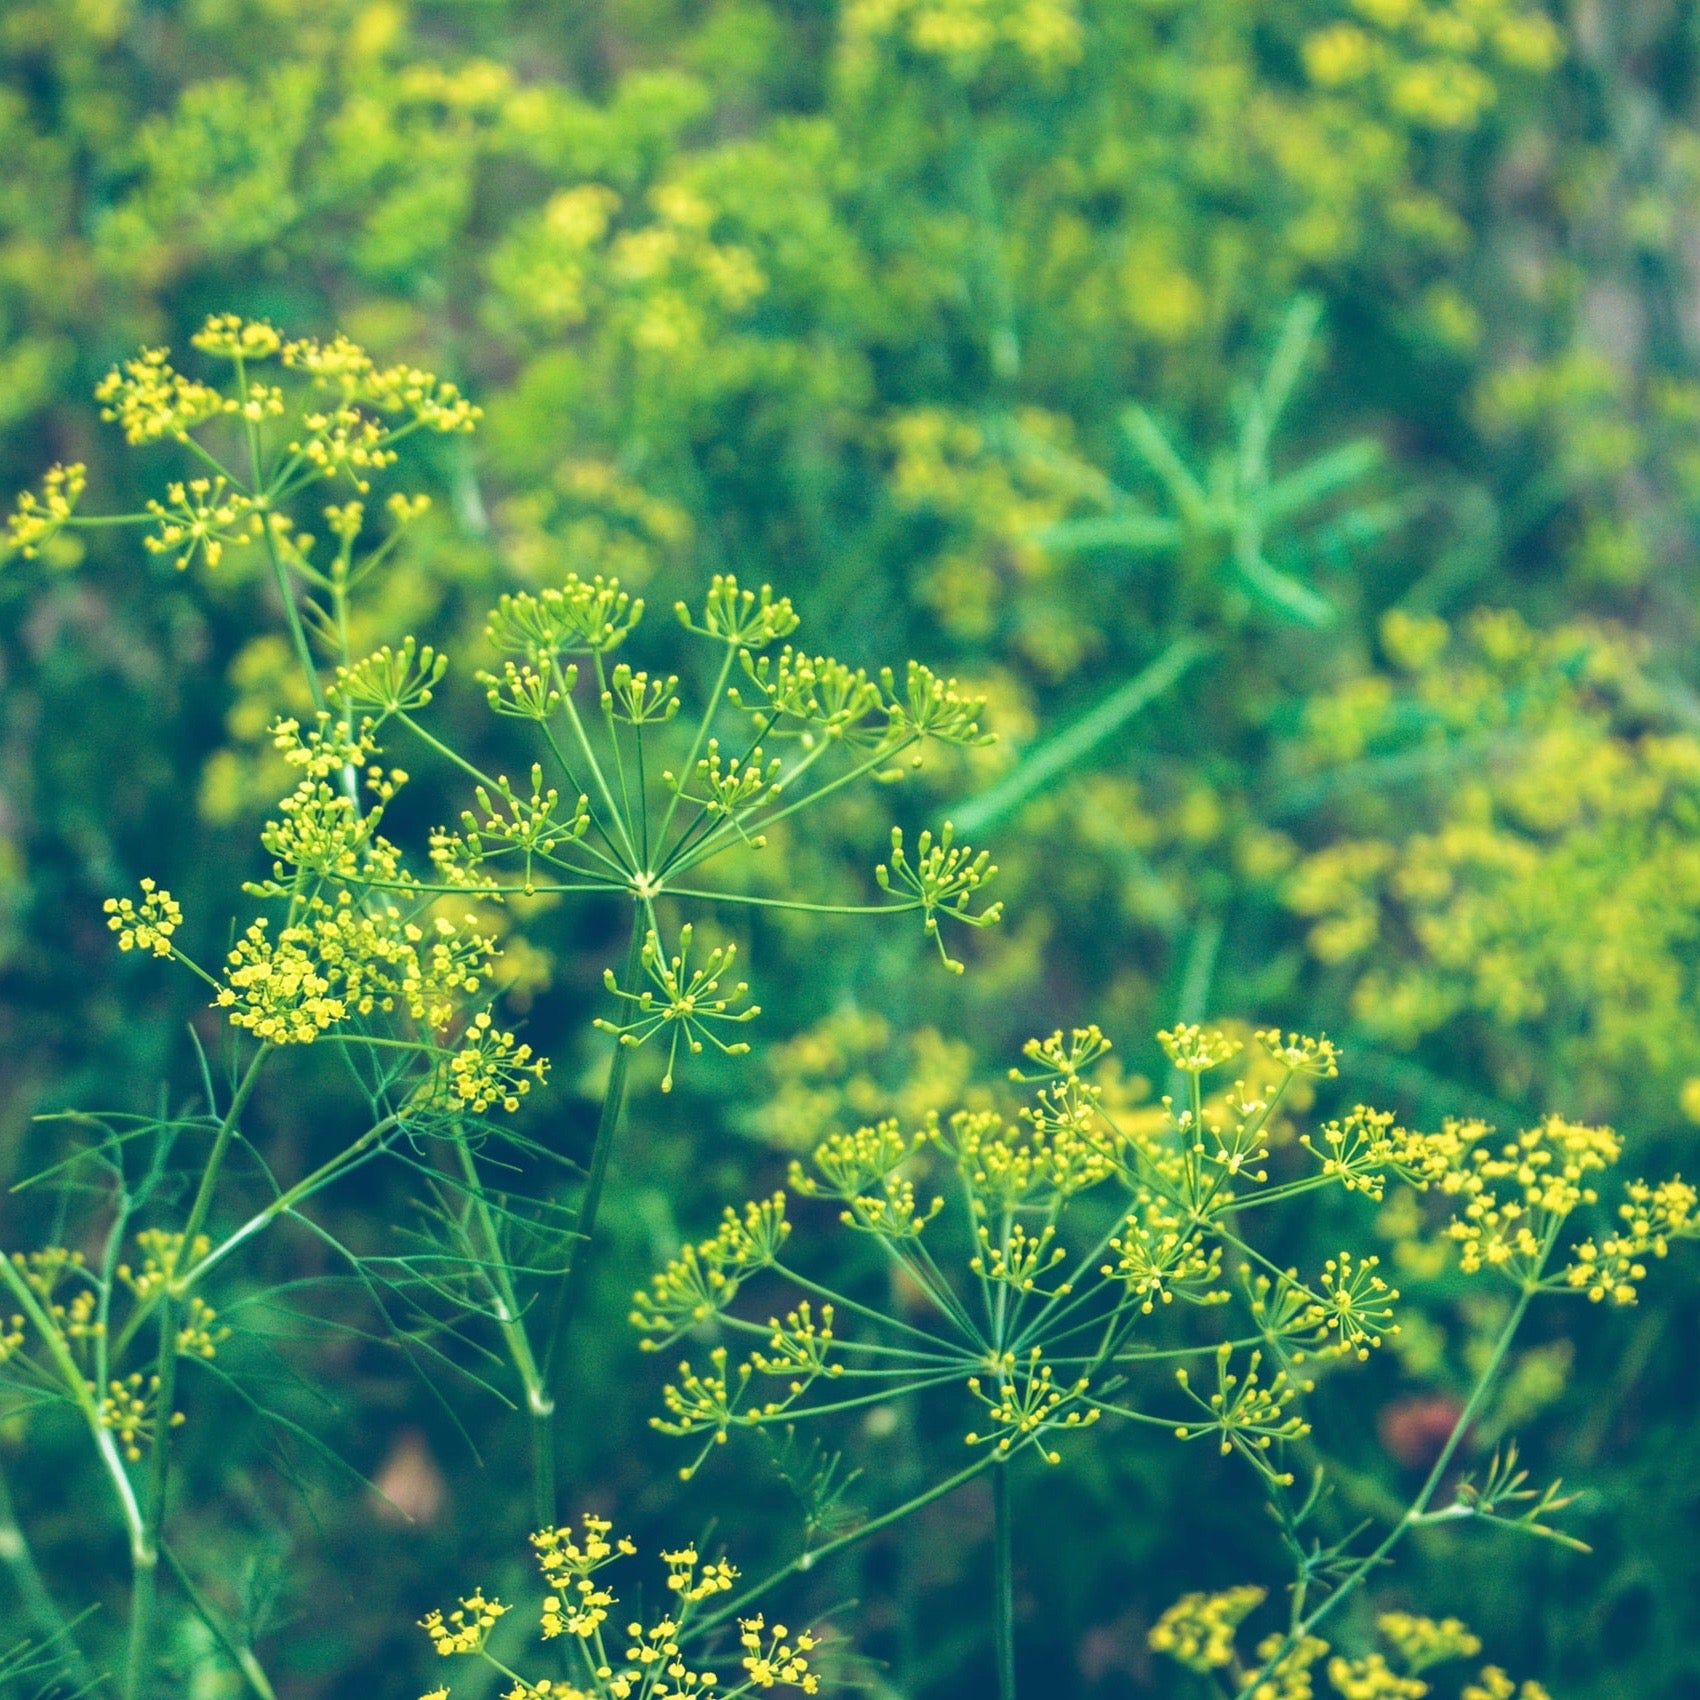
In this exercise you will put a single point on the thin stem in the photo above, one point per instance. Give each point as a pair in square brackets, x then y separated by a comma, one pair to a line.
[538, 1403]
[710, 845]
[789, 903]
[51, 1623]
[221, 1144]
[288, 1200]
[691, 759]
[297, 632]
[1354, 1579]
[1003, 1582]
[239, 1655]
[81, 1394]
[145, 1555]
[611, 726]
[947, 1351]
[880, 1396]
[446, 753]
[569, 1293]
[612, 858]
[597, 775]
[808, 1560]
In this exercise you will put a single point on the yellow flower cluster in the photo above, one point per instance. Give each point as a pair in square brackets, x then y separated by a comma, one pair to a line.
[1198, 1629]
[347, 369]
[77, 1318]
[1426, 58]
[37, 520]
[660, 278]
[232, 337]
[1424, 1641]
[1025, 1402]
[492, 1067]
[1371, 1678]
[162, 1259]
[1547, 883]
[1653, 1215]
[148, 927]
[200, 1334]
[1199, 1632]
[577, 1606]
[1494, 1684]
[655, 1664]
[467, 1627]
[201, 516]
[129, 1408]
[1512, 1227]
[338, 960]
[1197, 1050]
[1160, 1252]
[150, 399]
[704, 1278]
[1357, 1305]
[964, 34]
[1245, 1413]
[773, 1658]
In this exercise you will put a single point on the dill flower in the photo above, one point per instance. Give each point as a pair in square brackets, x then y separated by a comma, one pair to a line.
[942, 878]
[148, 927]
[1370, 1678]
[1287, 1674]
[1424, 1641]
[1197, 1050]
[1198, 1629]
[162, 1258]
[492, 1067]
[129, 1408]
[467, 1627]
[37, 520]
[201, 516]
[232, 337]
[655, 1661]
[1494, 1684]
[149, 399]
[684, 1001]
[772, 1656]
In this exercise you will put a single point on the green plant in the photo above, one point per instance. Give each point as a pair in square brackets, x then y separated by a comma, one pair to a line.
[396, 968]
[1027, 1261]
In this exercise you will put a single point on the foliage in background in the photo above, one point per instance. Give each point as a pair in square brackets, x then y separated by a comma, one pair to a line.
[1134, 362]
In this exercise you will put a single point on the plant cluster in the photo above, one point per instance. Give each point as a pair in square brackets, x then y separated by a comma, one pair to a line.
[394, 960]
[1025, 1259]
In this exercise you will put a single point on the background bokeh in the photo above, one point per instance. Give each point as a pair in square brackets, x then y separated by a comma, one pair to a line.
[1286, 411]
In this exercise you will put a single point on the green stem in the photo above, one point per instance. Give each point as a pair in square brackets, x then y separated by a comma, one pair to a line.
[1355, 1578]
[285, 1201]
[597, 775]
[691, 759]
[538, 1403]
[678, 863]
[1003, 1581]
[215, 1158]
[145, 1554]
[297, 632]
[55, 1631]
[238, 1654]
[569, 1293]
[82, 1395]
[808, 1560]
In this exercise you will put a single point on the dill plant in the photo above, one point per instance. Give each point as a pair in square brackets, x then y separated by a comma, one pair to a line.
[394, 961]
[1023, 1263]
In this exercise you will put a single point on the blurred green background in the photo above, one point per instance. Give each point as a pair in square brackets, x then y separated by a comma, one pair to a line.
[1287, 411]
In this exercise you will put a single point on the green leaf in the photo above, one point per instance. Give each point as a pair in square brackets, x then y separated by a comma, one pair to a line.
[1057, 755]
